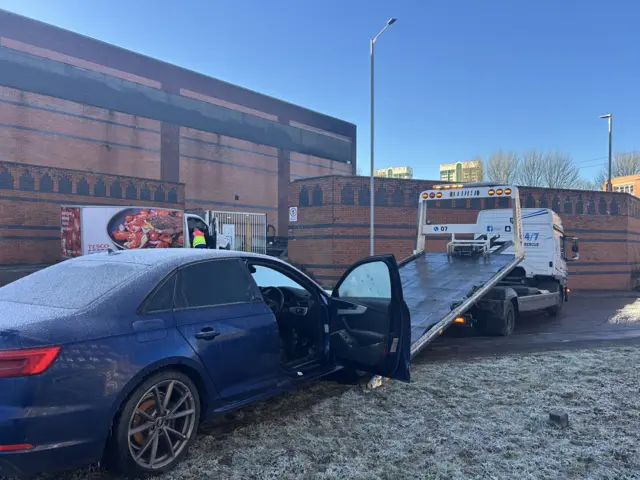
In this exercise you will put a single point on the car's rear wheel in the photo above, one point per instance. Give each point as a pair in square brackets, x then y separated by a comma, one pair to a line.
[155, 426]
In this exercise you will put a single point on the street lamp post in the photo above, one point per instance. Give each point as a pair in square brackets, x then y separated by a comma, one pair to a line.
[390, 22]
[610, 118]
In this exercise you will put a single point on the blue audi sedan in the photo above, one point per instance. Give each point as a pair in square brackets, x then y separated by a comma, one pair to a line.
[118, 357]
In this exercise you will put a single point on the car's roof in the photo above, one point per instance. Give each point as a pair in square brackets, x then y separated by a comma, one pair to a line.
[166, 258]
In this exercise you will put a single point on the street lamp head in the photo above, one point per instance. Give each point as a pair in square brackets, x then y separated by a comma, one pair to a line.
[608, 115]
[391, 21]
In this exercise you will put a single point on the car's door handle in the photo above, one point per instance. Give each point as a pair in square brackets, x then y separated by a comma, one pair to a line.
[359, 310]
[207, 334]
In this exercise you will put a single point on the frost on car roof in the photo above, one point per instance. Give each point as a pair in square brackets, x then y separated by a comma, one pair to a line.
[153, 256]
[72, 284]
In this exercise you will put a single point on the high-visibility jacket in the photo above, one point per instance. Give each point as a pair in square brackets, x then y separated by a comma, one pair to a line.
[198, 239]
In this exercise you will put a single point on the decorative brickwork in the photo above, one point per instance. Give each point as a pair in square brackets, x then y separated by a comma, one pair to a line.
[30, 199]
[326, 239]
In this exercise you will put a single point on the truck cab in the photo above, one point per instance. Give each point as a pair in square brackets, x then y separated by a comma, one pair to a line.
[547, 248]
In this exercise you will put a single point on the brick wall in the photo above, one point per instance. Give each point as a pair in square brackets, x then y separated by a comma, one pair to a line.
[219, 172]
[51, 132]
[30, 199]
[332, 230]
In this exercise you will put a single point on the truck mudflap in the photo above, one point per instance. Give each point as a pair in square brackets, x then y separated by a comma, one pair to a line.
[439, 288]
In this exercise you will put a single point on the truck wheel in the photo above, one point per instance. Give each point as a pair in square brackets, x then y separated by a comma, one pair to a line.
[501, 327]
[557, 308]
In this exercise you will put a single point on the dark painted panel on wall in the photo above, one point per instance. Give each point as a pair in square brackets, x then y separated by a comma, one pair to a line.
[79, 46]
[46, 183]
[35, 74]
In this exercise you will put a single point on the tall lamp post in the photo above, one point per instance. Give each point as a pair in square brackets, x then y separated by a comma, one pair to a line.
[610, 118]
[390, 22]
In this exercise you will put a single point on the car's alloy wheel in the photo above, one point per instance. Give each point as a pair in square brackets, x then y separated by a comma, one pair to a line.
[155, 426]
[162, 424]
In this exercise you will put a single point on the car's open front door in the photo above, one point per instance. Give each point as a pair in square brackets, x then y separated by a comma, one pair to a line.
[370, 324]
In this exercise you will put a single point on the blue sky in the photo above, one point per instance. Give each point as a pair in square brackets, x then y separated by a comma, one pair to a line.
[454, 78]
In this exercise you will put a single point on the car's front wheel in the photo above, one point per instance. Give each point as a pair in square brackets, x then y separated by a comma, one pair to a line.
[155, 426]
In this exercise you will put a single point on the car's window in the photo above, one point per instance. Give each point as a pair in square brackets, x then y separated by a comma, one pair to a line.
[161, 299]
[268, 277]
[369, 280]
[70, 284]
[217, 282]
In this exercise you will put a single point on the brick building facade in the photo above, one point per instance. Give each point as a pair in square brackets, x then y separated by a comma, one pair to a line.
[332, 230]
[74, 107]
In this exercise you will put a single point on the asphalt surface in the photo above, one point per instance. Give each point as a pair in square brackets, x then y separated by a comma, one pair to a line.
[588, 320]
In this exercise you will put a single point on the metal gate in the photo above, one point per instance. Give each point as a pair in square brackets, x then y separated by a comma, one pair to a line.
[246, 232]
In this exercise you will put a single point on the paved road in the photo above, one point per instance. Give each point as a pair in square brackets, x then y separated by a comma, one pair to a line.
[587, 321]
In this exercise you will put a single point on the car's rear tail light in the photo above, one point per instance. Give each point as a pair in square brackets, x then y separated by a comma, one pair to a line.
[23, 363]
[16, 447]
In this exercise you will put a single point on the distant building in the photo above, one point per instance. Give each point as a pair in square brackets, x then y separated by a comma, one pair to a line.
[394, 172]
[628, 184]
[470, 171]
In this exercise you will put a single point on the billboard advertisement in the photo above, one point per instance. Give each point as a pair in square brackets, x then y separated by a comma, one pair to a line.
[98, 229]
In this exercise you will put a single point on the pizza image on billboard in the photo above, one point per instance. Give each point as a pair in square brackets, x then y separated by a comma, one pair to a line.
[134, 228]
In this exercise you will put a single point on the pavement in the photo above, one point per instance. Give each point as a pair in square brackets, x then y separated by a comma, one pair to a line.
[588, 320]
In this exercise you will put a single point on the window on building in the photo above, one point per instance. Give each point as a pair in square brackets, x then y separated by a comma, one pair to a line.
[447, 175]
[628, 188]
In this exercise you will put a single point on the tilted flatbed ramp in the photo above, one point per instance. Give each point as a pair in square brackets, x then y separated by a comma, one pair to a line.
[432, 283]
[439, 287]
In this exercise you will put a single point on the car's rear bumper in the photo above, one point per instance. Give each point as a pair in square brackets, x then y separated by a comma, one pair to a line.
[50, 458]
[62, 437]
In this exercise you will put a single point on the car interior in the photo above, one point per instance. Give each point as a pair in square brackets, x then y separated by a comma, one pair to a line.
[298, 312]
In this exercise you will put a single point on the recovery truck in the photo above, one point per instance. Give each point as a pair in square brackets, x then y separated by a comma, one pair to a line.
[480, 280]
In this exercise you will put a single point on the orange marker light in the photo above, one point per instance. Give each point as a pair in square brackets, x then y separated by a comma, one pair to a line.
[499, 191]
[491, 192]
[425, 195]
[439, 194]
[447, 187]
[507, 191]
[459, 320]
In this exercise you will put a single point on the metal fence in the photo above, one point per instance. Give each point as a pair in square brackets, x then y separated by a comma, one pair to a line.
[246, 232]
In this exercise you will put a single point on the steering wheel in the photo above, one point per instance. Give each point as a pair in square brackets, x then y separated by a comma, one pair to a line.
[274, 298]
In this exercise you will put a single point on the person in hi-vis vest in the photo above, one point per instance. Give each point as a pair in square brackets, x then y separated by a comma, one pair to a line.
[198, 239]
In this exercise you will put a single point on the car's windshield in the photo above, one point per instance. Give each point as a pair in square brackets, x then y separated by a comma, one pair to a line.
[70, 284]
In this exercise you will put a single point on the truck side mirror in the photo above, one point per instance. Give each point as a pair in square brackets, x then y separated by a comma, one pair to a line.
[574, 249]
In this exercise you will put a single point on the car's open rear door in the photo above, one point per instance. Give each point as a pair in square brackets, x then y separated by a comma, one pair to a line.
[370, 324]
